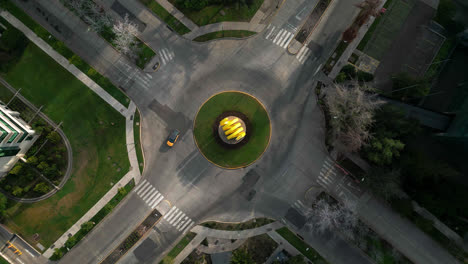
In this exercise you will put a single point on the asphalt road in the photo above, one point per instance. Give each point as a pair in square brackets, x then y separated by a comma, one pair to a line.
[200, 191]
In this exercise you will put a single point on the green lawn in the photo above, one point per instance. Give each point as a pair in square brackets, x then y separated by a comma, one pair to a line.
[300, 245]
[136, 133]
[96, 132]
[225, 34]
[380, 37]
[372, 28]
[60, 47]
[3, 261]
[259, 136]
[177, 249]
[212, 13]
[145, 54]
[440, 58]
[162, 13]
[123, 191]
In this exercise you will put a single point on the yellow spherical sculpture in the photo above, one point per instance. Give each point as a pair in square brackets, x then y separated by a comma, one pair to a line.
[233, 127]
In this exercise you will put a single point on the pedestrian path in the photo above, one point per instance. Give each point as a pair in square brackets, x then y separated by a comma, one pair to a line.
[282, 37]
[178, 219]
[149, 194]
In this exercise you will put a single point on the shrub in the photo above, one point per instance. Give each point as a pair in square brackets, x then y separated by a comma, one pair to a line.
[349, 71]
[42, 187]
[71, 242]
[87, 226]
[363, 76]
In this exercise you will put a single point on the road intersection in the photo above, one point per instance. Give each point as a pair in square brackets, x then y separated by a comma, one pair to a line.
[180, 182]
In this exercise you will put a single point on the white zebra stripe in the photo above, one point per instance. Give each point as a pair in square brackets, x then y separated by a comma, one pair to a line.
[139, 186]
[188, 227]
[281, 37]
[271, 32]
[157, 202]
[150, 197]
[170, 212]
[289, 41]
[174, 214]
[176, 220]
[142, 194]
[278, 35]
[182, 222]
[286, 38]
[175, 217]
[144, 188]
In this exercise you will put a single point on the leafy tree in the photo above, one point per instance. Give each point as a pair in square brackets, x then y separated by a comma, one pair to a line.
[42, 187]
[349, 70]
[17, 191]
[54, 137]
[16, 169]
[363, 76]
[87, 226]
[3, 204]
[241, 256]
[446, 12]
[71, 242]
[43, 165]
[122, 191]
[408, 88]
[382, 151]
[58, 254]
[32, 160]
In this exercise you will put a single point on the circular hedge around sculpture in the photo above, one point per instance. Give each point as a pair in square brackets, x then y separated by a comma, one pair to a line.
[258, 131]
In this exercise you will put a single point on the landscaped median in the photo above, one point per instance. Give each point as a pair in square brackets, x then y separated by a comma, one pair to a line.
[224, 34]
[136, 134]
[300, 245]
[169, 19]
[169, 259]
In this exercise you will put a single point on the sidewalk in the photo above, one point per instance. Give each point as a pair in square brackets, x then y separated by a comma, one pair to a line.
[203, 232]
[177, 14]
[64, 62]
[128, 113]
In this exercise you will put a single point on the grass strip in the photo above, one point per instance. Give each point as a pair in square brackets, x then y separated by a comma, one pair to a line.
[225, 34]
[308, 251]
[440, 58]
[3, 261]
[254, 223]
[372, 28]
[60, 47]
[136, 134]
[169, 19]
[169, 259]
[221, 11]
[88, 226]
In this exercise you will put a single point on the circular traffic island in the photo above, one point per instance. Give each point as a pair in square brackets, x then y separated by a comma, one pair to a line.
[232, 129]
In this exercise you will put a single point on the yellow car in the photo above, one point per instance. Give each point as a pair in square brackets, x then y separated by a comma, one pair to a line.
[172, 139]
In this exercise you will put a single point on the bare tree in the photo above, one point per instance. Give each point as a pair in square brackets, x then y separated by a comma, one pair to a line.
[351, 115]
[125, 32]
[91, 13]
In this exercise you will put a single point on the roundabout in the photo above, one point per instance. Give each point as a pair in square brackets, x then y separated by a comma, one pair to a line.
[232, 129]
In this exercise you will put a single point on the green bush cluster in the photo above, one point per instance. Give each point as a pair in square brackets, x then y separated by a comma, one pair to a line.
[12, 44]
[349, 72]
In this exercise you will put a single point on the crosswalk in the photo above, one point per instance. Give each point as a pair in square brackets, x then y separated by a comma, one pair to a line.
[166, 55]
[328, 174]
[178, 219]
[279, 36]
[149, 194]
[303, 54]
[300, 206]
[283, 37]
[132, 74]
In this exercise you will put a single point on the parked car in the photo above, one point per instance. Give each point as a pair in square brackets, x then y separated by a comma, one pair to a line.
[172, 139]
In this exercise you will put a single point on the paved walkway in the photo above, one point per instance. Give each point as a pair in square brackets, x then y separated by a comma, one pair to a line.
[203, 232]
[223, 247]
[256, 24]
[134, 172]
